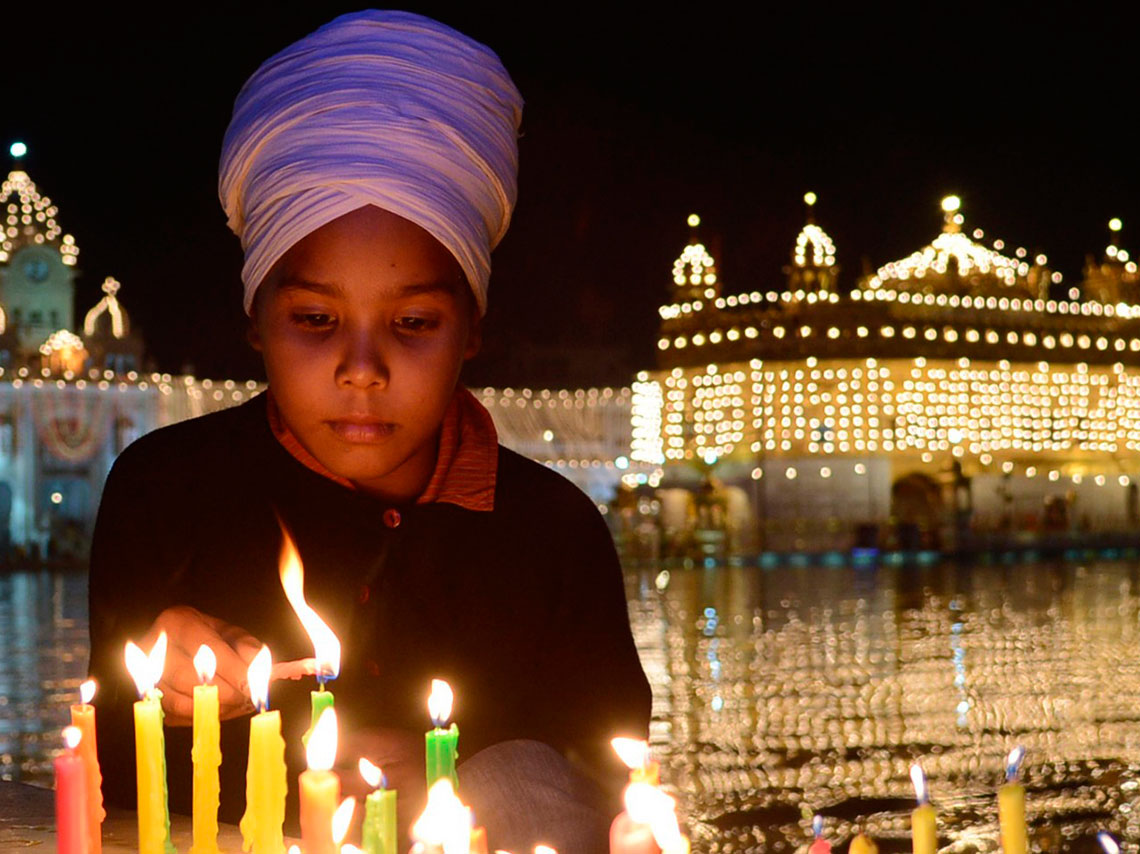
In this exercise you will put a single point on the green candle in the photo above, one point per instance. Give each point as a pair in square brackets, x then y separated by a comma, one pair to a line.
[379, 832]
[321, 700]
[441, 744]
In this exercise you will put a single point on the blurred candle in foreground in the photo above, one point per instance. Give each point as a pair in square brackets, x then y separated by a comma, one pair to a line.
[862, 844]
[379, 833]
[71, 796]
[634, 753]
[819, 845]
[150, 748]
[923, 821]
[648, 824]
[445, 824]
[1011, 807]
[320, 787]
[265, 776]
[83, 718]
[441, 744]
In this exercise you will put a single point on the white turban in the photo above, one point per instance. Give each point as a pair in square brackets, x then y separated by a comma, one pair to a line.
[375, 108]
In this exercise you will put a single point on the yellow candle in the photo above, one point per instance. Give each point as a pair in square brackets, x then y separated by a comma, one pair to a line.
[923, 821]
[150, 749]
[1011, 807]
[265, 778]
[83, 718]
[863, 844]
[320, 787]
[206, 754]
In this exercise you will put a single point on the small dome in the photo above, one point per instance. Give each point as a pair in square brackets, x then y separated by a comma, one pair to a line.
[108, 305]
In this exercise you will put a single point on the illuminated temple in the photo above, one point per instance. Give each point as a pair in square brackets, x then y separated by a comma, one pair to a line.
[961, 391]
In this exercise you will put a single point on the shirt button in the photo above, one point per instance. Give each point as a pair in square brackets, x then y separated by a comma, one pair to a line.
[365, 593]
[392, 517]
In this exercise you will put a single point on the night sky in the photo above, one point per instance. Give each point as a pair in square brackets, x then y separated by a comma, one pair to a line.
[632, 121]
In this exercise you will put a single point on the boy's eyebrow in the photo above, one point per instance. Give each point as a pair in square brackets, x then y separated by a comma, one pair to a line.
[295, 283]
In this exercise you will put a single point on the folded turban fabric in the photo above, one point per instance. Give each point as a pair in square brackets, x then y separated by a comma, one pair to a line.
[376, 107]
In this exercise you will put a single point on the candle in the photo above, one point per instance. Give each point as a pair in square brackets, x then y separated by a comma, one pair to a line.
[440, 744]
[83, 718]
[1011, 807]
[320, 787]
[265, 783]
[863, 844]
[648, 825]
[206, 754]
[341, 819]
[71, 811]
[445, 824]
[379, 833]
[635, 754]
[923, 821]
[326, 645]
[819, 845]
[150, 748]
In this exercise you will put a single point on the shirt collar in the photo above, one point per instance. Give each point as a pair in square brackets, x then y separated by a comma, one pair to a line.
[465, 467]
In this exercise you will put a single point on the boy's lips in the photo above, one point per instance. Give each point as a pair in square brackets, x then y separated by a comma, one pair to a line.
[363, 430]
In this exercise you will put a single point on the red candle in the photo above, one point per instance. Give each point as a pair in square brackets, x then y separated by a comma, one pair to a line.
[83, 717]
[71, 797]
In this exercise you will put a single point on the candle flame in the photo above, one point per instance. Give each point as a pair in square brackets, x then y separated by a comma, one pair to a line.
[146, 670]
[1107, 843]
[348, 848]
[632, 751]
[646, 804]
[372, 774]
[544, 849]
[294, 849]
[72, 736]
[440, 701]
[258, 678]
[817, 825]
[1013, 763]
[445, 822]
[87, 692]
[342, 818]
[206, 663]
[919, 779]
[320, 752]
[326, 646]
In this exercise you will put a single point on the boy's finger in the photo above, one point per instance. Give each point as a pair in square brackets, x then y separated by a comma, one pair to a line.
[177, 707]
[238, 706]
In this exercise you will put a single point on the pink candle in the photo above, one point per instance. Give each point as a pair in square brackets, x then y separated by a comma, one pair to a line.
[71, 797]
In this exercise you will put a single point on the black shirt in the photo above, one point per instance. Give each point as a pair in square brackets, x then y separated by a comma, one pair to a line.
[522, 609]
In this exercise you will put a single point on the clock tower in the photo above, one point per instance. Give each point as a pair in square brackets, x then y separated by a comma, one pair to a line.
[37, 264]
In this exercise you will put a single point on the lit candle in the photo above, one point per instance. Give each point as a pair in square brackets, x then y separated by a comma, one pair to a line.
[819, 845]
[265, 783]
[320, 787]
[635, 754]
[1011, 807]
[341, 819]
[83, 718]
[326, 645]
[379, 834]
[445, 824]
[923, 821]
[71, 796]
[206, 754]
[150, 748]
[440, 743]
[648, 825]
[1107, 843]
[863, 844]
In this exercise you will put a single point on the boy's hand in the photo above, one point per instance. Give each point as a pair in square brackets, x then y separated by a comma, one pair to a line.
[187, 629]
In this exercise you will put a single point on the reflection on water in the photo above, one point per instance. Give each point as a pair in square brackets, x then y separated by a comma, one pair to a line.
[779, 693]
[43, 658]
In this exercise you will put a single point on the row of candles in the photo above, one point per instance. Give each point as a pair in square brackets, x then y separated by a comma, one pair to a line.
[648, 826]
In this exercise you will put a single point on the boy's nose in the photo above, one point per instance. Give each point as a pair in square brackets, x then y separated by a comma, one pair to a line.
[362, 363]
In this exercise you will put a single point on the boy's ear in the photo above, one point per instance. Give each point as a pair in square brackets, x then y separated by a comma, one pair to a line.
[252, 335]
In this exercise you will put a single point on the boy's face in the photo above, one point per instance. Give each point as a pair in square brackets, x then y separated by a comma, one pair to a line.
[364, 326]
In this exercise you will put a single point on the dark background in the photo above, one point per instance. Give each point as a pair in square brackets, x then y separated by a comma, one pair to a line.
[633, 120]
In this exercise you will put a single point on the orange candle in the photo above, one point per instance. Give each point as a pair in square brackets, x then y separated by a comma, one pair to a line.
[320, 787]
[83, 719]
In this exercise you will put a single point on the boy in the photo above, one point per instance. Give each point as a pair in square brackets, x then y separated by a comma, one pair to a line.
[369, 170]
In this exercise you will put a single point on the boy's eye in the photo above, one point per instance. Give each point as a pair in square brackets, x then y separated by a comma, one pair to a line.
[313, 319]
[413, 323]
